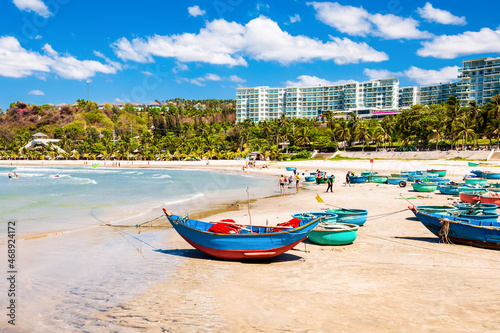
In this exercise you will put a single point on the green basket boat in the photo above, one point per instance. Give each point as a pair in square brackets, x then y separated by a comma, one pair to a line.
[472, 164]
[439, 173]
[334, 233]
[424, 187]
[476, 181]
[377, 179]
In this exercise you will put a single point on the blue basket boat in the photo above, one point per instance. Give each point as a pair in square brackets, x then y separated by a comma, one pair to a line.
[449, 189]
[488, 208]
[290, 168]
[228, 240]
[354, 216]
[357, 179]
[310, 178]
[324, 216]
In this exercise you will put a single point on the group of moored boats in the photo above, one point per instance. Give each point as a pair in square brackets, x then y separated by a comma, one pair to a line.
[473, 221]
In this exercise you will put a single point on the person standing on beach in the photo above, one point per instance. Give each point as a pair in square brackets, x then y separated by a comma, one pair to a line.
[282, 185]
[318, 177]
[297, 179]
[348, 179]
[330, 184]
[10, 174]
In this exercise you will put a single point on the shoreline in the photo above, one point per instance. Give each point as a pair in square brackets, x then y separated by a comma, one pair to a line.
[395, 276]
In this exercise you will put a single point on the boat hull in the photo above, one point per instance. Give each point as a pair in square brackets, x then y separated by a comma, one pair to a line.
[337, 234]
[240, 246]
[290, 168]
[476, 233]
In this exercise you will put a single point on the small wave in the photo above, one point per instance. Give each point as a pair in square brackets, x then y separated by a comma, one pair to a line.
[193, 197]
[133, 172]
[158, 176]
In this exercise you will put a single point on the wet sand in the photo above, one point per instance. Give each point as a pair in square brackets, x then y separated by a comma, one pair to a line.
[396, 276]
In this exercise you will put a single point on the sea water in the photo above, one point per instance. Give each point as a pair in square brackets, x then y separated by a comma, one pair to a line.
[70, 264]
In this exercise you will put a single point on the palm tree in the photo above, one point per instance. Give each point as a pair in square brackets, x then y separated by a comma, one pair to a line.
[464, 129]
[362, 133]
[343, 131]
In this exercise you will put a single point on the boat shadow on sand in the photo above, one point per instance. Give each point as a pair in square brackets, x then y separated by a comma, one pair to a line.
[196, 254]
[420, 239]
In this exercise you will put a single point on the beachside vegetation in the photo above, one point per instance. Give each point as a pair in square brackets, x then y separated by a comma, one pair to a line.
[181, 129]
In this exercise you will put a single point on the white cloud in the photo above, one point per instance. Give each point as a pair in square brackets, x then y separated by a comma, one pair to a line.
[237, 79]
[15, 61]
[430, 77]
[311, 81]
[200, 81]
[380, 73]
[351, 20]
[394, 27]
[470, 42]
[37, 93]
[294, 19]
[227, 43]
[179, 67]
[357, 21]
[263, 6]
[196, 11]
[37, 6]
[432, 14]
[147, 73]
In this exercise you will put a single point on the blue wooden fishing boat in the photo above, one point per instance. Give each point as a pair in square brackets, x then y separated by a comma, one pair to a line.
[357, 179]
[228, 240]
[334, 233]
[480, 233]
[424, 187]
[491, 175]
[488, 208]
[354, 216]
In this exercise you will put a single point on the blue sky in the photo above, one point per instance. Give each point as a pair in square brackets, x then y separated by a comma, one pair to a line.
[141, 51]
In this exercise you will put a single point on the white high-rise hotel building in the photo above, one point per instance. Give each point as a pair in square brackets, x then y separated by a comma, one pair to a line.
[479, 81]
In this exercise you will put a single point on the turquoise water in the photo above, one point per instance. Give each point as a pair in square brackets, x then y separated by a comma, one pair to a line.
[48, 199]
[65, 278]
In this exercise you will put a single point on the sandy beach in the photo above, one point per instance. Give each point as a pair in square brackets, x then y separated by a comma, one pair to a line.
[396, 276]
